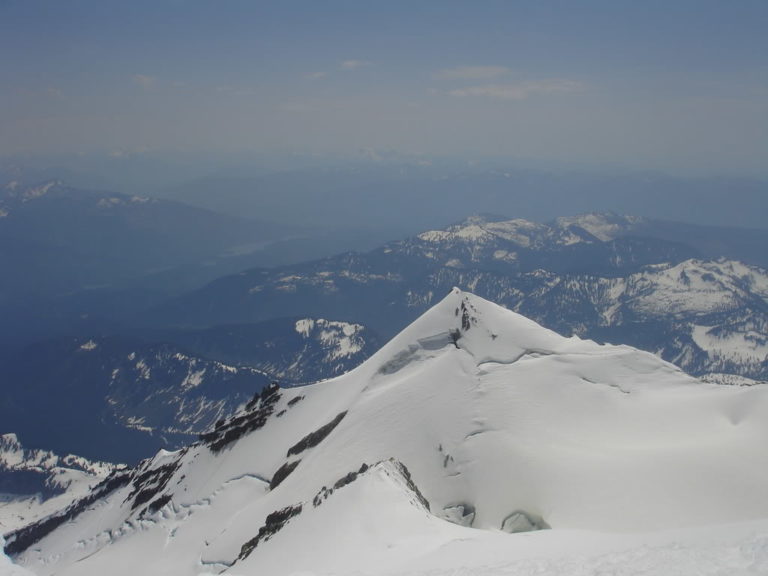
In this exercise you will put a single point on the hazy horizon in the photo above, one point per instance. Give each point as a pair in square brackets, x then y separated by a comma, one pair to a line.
[678, 88]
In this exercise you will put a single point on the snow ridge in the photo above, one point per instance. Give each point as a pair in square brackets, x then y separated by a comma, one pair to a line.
[502, 426]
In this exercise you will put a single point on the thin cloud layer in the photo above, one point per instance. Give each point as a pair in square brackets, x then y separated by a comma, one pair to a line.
[472, 73]
[518, 91]
[424, 80]
[143, 80]
[354, 64]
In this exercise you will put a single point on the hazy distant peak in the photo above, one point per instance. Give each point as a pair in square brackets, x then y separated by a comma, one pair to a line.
[16, 189]
[604, 226]
[482, 229]
[584, 228]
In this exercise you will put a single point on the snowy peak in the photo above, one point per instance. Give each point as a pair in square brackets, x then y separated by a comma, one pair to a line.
[488, 332]
[340, 339]
[478, 419]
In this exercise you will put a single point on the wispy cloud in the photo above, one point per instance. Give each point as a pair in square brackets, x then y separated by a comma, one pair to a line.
[143, 80]
[520, 90]
[354, 64]
[316, 75]
[472, 73]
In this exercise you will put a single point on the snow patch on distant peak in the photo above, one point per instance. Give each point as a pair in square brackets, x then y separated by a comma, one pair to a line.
[603, 226]
[749, 346]
[694, 287]
[9, 437]
[11, 451]
[468, 233]
[39, 191]
[13, 455]
[305, 326]
[480, 230]
[88, 346]
[341, 339]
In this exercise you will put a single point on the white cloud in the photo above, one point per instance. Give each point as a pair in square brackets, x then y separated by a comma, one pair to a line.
[143, 80]
[316, 75]
[472, 73]
[354, 64]
[520, 90]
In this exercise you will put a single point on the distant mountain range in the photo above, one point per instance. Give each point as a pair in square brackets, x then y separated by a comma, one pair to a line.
[123, 398]
[592, 275]
[83, 262]
[147, 372]
[79, 261]
[76, 239]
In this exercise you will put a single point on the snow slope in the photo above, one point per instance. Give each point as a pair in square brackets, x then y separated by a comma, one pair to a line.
[471, 423]
[7, 568]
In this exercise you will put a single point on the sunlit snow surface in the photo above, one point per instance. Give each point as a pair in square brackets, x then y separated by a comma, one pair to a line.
[636, 467]
[7, 568]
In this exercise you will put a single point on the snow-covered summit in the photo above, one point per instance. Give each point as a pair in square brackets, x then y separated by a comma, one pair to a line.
[488, 332]
[472, 422]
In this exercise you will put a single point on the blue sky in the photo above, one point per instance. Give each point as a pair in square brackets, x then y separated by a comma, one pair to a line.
[680, 86]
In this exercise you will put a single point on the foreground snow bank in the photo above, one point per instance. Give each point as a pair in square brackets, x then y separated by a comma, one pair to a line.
[8, 568]
[732, 550]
